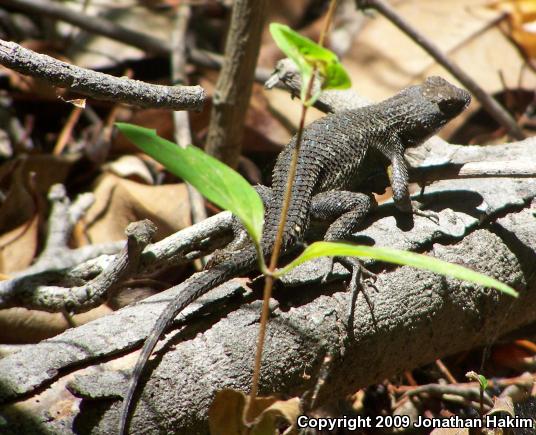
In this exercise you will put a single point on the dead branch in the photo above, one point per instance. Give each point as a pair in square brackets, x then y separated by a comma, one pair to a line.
[102, 26]
[418, 316]
[97, 25]
[181, 121]
[31, 288]
[498, 112]
[233, 89]
[99, 85]
[83, 298]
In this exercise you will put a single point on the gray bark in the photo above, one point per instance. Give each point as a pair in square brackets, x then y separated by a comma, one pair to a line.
[417, 317]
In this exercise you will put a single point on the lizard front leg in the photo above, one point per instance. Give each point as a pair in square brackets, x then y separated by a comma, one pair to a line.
[399, 184]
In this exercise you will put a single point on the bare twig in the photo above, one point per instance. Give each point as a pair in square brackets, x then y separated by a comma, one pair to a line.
[467, 391]
[96, 25]
[67, 131]
[503, 168]
[233, 90]
[98, 85]
[309, 403]
[183, 135]
[489, 103]
[84, 263]
[446, 372]
[82, 298]
[63, 218]
[102, 26]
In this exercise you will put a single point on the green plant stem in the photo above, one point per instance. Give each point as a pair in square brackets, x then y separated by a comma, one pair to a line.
[269, 277]
[327, 22]
[481, 401]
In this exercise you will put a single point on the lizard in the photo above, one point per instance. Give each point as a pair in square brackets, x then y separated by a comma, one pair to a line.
[334, 154]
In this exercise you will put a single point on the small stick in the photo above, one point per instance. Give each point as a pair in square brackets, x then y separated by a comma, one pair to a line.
[99, 85]
[498, 112]
[183, 134]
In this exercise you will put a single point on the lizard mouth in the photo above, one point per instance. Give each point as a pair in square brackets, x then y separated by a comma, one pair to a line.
[455, 104]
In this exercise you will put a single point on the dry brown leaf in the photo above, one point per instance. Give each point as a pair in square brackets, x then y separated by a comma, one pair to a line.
[19, 204]
[19, 325]
[227, 412]
[522, 17]
[78, 102]
[502, 405]
[264, 132]
[19, 246]
[119, 202]
[281, 410]
[130, 166]
[225, 416]
[24, 196]
[383, 60]
[290, 109]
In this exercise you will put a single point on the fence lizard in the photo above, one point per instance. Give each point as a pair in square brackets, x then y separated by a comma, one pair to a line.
[333, 154]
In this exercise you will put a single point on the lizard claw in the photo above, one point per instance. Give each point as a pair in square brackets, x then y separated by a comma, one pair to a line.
[357, 283]
[329, 271]
[428, 214]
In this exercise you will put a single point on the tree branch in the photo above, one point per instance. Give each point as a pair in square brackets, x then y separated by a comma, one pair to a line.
[498, 112]
[417, 316]
[102, 26]
[181, 120]
[99, 85]
[233, 89]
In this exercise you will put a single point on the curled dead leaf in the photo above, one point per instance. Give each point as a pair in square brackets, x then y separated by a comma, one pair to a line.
[119, 202]
[227, 414]
[522, 20]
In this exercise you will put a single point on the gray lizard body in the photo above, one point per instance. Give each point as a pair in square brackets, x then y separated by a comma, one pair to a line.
[333, 152]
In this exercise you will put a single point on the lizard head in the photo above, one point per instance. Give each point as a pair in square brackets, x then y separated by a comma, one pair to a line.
[421, 111]
[450, 99]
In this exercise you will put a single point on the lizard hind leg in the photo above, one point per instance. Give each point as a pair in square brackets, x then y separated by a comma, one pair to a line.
[347, 210]
[238, 243]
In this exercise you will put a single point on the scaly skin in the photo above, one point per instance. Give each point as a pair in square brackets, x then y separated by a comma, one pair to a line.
[333, 150]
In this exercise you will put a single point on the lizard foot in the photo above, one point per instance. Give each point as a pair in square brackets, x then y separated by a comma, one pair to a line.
[361, 280]
[352, 264]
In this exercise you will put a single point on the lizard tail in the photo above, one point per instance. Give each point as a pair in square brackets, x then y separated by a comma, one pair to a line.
[195, 287]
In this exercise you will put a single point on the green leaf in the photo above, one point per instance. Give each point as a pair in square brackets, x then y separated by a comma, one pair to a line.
[483, 381]
[212, 178]
[390, 255]
[308, 55]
